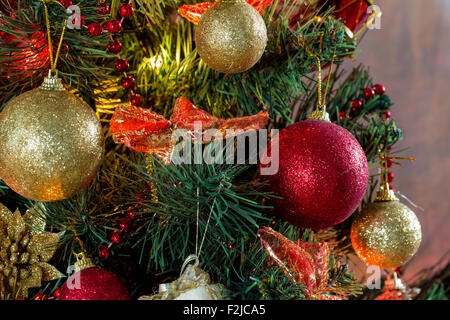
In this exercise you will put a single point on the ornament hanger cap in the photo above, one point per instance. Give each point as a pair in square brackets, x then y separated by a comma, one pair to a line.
[83, 262]
[386, 194]
[52, 83]
[320, 114]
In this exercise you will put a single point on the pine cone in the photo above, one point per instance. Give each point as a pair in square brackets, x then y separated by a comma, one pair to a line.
[24, 252]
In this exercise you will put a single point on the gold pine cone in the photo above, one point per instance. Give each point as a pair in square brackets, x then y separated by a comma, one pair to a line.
[24, 252]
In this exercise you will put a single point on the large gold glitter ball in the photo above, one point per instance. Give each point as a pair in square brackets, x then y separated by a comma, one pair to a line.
[231, 36]
[386, 234]
[51, 143]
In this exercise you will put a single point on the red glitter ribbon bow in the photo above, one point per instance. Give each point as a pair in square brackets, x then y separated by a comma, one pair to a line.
[145, 131]
[305, 262]
[194, 12]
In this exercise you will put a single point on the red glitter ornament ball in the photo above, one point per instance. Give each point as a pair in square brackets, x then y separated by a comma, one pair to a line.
[94, 284]
[95, 29]
[126, 10]
[115, 47]
[323, 174]
[66, 3]
[114, 26]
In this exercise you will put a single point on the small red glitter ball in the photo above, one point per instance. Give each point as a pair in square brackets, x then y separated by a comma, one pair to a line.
[380, 89]
[389, 163]
[116, 237]
[114, 26]
[128, 83]
[66, 3]
[390, 177]
[103, 8]
[387, 115]
[322, 174]
[125, 224]
[115, 47]
[103, 253]
[95, 29]
[121, 65]
[136, 100]
[94, 284]
[369, 93]
[57, 293]
[126, 10]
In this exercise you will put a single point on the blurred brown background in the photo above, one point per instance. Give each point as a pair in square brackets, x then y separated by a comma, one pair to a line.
[410, 55]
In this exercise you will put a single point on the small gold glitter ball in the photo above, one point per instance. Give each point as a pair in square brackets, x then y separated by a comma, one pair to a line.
[51, 143]
[231, 36]
[386, 234]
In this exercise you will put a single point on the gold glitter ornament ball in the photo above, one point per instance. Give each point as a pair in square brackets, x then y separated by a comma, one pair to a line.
[51, 143]
[386, 234]
[231, 36]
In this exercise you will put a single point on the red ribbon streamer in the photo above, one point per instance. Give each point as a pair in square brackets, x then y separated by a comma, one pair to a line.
[194, 12]
[146, 131]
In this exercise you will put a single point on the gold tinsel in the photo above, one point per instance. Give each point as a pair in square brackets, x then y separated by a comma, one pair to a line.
[24, 252]
[386, 234]
[231, 36]
[51, 143]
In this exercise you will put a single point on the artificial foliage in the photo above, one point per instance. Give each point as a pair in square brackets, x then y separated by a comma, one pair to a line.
[141, 217]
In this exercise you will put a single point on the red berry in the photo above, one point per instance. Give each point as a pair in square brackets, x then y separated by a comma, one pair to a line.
[369, 93]
[103, 8]
[387, 115]
[115, 47]
[126, 10]
[136, 100]
[128, 83]
[114, 26]
[125, 224]
[390, 177]
[116, 237]
[389, 163]
[343, 115]
[95, 29]
[66, 3]
[57, 293]
[103, 253]
[380, 89]
[121, 65]
[356, 105]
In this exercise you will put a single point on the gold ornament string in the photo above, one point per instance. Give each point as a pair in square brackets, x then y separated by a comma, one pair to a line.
[53, 61]
[320, 112]
[149, 166]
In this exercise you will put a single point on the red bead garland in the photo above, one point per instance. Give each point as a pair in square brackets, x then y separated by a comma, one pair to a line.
[114, 26]
[121, 65]
[136, 100]
[128, 83]
[95, 29]
[126, 10]
[115, 47]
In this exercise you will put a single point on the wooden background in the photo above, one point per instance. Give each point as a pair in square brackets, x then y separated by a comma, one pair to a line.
[410, 55]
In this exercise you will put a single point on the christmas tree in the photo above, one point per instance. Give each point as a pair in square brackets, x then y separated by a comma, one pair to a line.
[186, 150]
